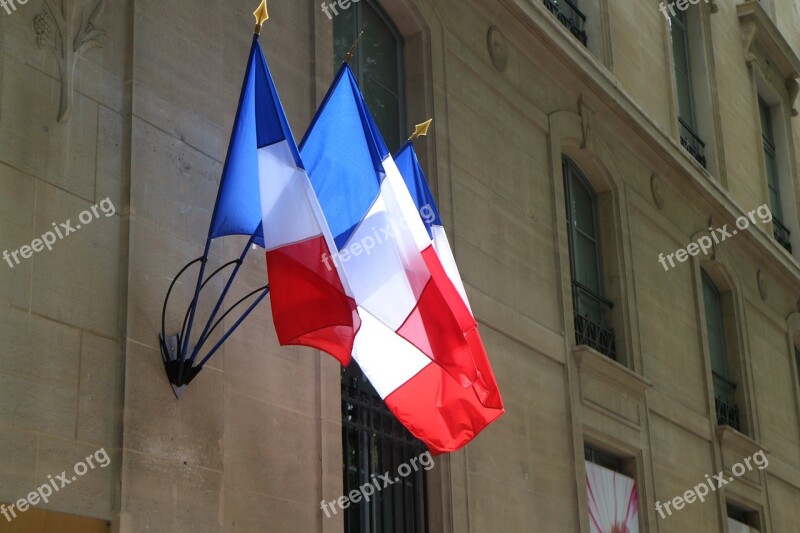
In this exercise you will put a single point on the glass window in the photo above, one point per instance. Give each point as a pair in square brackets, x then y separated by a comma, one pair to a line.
[684, 87]
[727, 410]
[601, 458]
[377, 65]
[568, 13]
[714, 325]
[590, 306]
[768, 138]
[683, 69]
[741, 521]
[797, 361]
[780, 231]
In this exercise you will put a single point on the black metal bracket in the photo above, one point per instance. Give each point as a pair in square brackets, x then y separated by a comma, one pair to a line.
[177, 354]
[180, 373]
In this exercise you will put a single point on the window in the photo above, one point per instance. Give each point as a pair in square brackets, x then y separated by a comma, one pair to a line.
[781, 233]
[567, 12]
[589, 306]
[687, 118]
[377, 65]
[726, 407]
[601, 458]
[611, 491]
[741, 520]
[374, 442]
[797, 363]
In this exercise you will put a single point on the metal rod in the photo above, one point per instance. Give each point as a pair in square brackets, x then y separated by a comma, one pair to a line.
[352, 50]
[238, 322]
[193, 306]
[222, 296]
[194, 303]
[184, 344]
[234, 306]
[166, 300]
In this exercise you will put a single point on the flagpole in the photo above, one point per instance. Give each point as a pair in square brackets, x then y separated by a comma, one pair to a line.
[352, 50]
[262, 15]
[239, 263]
[241, 319]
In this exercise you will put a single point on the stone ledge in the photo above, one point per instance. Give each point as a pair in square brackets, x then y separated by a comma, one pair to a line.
[737, 441]
[593, 362]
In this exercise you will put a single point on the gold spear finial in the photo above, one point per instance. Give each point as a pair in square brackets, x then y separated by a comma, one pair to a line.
[421, 130]
[352, 50]
[261, 15]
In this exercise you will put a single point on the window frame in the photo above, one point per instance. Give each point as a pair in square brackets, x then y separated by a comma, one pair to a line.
[772, 170]
[598, 334]
[727, 410]
[681, 22]
[689, 136]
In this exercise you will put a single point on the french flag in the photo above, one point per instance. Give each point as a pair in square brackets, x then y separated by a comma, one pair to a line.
[418, 343]
[264, 180]
[414, 177]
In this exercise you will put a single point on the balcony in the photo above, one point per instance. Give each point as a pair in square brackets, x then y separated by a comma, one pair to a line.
[590, 321]
[725, 403]
[692, 143]
[570, 16]
[782, 234]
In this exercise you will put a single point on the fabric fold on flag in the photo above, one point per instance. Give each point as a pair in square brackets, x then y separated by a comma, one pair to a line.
[410, 169]
[264, 179]
[417, 338]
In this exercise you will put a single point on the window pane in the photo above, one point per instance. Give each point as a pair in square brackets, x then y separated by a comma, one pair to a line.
[766, 121]
[683, 72]
[385, 109]
[586, 260]
[583, 208]
[716, 332]
[772, 182]
[345, 31]
[380, 49]
[797, 360]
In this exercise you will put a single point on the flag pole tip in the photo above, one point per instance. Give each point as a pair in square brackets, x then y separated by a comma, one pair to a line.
[352, 50]
[261, 15]
[421, 130]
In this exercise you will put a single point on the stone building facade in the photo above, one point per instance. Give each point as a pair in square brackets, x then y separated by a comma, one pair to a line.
[572, 145]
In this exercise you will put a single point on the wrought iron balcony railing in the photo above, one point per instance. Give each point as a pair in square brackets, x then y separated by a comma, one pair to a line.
[591, 328]
[725, 403]
[782, 234]
[570, 16]
[692, 143]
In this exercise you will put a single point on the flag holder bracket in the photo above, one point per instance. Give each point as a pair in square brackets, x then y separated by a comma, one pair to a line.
[177, 354]
[179, 375]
